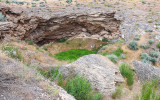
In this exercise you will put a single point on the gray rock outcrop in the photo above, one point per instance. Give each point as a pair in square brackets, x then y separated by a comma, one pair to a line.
[99, 70]
[146, 72]
[18, 82]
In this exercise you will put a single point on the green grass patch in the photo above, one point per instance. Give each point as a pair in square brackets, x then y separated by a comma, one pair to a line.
[158, 45]
[81, 89]
[73, 54]
[149, 91]
[127, 73]
[12, 52]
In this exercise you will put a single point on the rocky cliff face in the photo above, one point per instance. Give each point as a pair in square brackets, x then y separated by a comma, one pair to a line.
[43, 26]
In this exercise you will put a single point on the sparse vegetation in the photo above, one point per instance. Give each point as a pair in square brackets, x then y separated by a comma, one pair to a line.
[127, 73]
[151, 42]
[73, 54]
[118, 92]
[145, 46]
[112, 57]
[105, 40]
[30, 42]
[149, 91]
[81, 89]
[148, 59]
[12, 52]
[133, 45]
[137, 38]
[158, 45]
[63, 40]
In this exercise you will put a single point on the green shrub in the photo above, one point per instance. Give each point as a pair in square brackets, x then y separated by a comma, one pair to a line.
[112, 57]
[150, 42]
[50, 74]
[145, 58]
[81, 89]
[137, 38]
[30, 42]
[148, 59]
[2, 17]
[158, 45]
[73, 54]
[149, 91]
[133, 45]
[127, 73]
[60, 80]
[117, 93]
[69, 1]
[145, 46]
[154, 54]
[105, 40]
[12, 52]
[118, 52]
[45, 48]
[62, 40]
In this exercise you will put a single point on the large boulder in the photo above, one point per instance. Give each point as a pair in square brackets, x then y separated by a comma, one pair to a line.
[99, 70]
[146, 72]
[19, 82]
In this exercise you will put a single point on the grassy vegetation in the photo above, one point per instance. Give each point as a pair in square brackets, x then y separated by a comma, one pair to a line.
[73, 54]
[49, 74]
[30, 42]
[149, 91]
[117, 93]
[81, 89]
[158, 45]
[127, 73]
[12, 52]
[115, 55]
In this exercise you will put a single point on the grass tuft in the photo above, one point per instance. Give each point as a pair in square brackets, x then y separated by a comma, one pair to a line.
[127, 73]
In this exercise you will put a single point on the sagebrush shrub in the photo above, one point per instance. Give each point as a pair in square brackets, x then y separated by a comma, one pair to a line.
[112, 57]
[148, 59]
[126, 72]
[150, 42]
[137, 38]
[30, 42]
[133, 45]
[81, 89]
[154, 54]
[2, 17]
[145, 46]
[12, 52]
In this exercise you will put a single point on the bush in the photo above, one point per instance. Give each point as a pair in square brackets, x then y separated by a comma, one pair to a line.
[50, 74]
[2, 17]
[118, 52]
[154, 54]
[81, 89]
[137, 38]
[150, 42]
[145, 46]
[73, 54]
[148, 59]
[45, 48]
[133, 45]
[62, 40]
[112, 57]
[149, 91]
[117, 93]
[30, 42]
[69, 1]
[105, 40]
[145, 58]
[158, 45]
[12, 52]
[126, 72]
